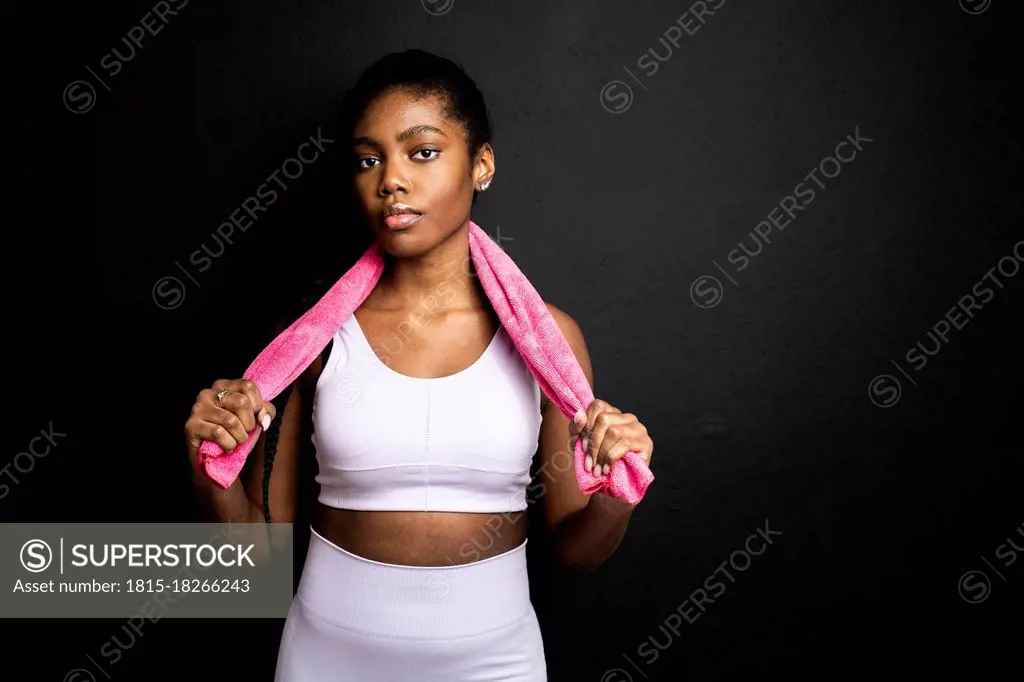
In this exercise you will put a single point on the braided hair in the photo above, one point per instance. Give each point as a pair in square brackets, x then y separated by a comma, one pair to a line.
[421, 74]
[272, 435]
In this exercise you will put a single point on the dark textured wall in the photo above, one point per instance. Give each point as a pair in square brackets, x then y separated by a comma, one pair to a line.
[783, 388]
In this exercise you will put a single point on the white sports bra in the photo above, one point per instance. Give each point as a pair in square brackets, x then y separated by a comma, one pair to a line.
[386, 441]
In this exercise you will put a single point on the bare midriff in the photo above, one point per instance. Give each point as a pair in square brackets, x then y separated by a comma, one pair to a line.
[421, 538]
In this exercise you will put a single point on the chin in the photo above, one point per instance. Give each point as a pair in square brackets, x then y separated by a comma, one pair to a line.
[415, 240]
[402, 244]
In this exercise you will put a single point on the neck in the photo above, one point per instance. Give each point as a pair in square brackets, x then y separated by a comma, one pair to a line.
[440, 279]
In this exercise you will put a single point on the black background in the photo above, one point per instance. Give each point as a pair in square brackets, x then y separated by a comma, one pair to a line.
[759, 405]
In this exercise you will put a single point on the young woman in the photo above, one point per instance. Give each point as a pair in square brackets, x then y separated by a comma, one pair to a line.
[416, 568]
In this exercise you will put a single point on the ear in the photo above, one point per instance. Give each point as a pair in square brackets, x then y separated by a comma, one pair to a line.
[483, 167]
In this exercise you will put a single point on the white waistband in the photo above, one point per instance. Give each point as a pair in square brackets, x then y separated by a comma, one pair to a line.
[394, 601]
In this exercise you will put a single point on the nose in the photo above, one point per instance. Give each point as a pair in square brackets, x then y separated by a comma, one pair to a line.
[393, 179]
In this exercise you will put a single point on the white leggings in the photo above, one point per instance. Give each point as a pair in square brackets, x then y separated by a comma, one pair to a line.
[357, 619]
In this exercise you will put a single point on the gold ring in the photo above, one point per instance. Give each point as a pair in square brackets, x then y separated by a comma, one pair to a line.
[220, 396]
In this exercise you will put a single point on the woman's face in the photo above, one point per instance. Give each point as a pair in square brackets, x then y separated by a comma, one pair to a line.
[407, 153]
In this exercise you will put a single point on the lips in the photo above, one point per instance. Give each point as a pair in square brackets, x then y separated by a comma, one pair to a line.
[400, 216]
[403, 220]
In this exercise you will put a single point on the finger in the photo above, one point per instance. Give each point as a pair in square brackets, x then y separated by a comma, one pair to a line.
[232, 388]
[239, 404]
[602, 423]
[577, 423]
[228, 420]
[250, 389]
[222, 385]
[199, 430]
[595, 408]
[610, 435]
[207, 395]
[616, 448]
[266, 415]
[576, 428]
[645, 446]
[597, 415]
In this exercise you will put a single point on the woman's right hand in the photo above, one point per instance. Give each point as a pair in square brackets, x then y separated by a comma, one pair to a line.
[229, 422]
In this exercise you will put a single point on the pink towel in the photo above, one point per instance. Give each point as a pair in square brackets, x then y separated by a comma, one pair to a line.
[523, 314]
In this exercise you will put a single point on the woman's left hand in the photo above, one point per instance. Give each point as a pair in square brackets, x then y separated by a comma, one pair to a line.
[608, 434]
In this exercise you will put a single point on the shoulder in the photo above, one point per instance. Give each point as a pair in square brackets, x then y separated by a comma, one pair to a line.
[574, 336]
[569, 326]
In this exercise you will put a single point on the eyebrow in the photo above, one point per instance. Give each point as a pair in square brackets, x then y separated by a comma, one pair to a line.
[401, 137]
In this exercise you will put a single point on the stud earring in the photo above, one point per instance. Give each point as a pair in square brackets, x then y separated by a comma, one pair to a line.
[484, 186]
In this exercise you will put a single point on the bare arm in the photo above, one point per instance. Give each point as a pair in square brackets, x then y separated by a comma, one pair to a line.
[585, 529]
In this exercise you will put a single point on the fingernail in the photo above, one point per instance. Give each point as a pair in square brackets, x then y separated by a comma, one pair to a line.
[266, 421]
[589, 463]
[607, 468]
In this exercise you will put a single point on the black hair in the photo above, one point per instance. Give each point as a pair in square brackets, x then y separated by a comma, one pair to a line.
[421, 74]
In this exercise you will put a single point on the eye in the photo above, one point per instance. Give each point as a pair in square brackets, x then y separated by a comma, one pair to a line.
[429, 151]
[360, 162]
